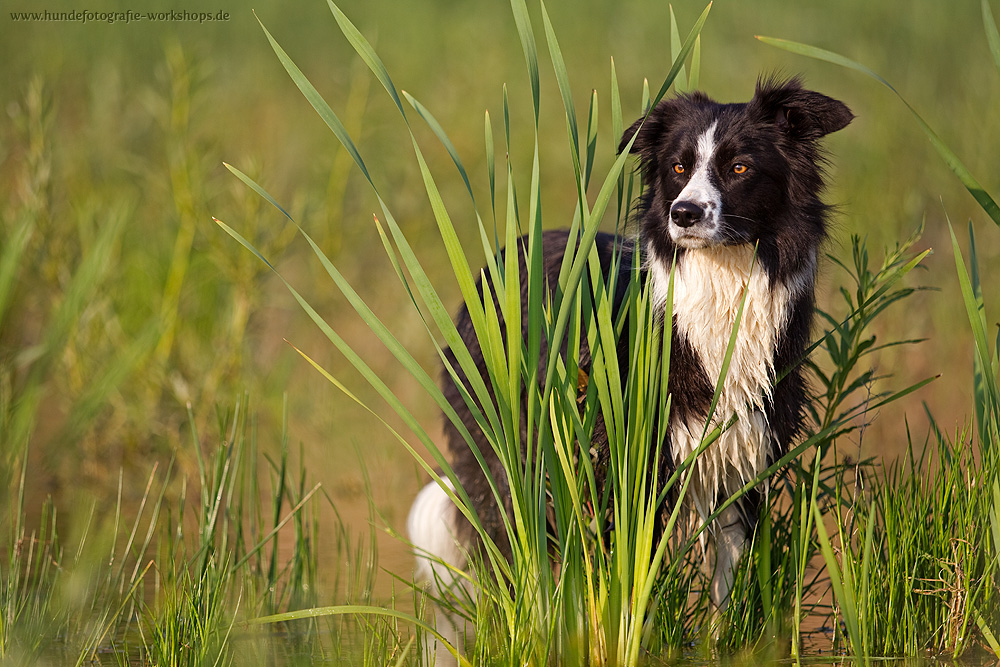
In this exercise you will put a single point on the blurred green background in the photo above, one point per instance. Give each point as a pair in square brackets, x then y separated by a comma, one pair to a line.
[113, 138]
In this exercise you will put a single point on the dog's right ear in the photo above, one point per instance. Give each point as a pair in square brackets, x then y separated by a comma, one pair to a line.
[627, 137]
[649, 133]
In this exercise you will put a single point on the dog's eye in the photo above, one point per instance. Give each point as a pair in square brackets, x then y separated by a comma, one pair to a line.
[739, 168]
[678, 168]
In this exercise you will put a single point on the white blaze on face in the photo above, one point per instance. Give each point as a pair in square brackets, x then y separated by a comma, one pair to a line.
[702, 191]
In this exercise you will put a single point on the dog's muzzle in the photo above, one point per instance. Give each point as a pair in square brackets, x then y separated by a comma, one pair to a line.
[686, 213]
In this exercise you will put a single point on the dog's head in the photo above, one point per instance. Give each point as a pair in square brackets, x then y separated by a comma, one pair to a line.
[726, 174]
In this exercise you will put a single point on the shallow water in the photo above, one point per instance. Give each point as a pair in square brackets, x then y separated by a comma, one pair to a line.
[336, 641]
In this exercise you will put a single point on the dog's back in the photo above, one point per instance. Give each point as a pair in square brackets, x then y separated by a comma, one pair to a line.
[612, 251]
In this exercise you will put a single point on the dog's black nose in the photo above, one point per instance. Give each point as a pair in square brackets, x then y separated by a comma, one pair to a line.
[686, 213]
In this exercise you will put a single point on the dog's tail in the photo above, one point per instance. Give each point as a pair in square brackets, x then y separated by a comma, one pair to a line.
[441, 560]
[431, 527]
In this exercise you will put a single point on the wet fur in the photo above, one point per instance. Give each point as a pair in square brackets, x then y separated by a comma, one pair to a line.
[775, 208]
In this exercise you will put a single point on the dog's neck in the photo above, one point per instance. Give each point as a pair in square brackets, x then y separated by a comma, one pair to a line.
[709, 285]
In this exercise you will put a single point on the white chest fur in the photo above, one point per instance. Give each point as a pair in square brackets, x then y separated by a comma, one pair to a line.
[708, 287]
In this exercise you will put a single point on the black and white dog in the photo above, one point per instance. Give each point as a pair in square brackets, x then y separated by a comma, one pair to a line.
[720, 180]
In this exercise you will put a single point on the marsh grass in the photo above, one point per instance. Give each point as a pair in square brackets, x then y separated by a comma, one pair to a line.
[896, 560]
[617, 594]
[597, 608]
[112, 317]
[172, 581]
[916, 571]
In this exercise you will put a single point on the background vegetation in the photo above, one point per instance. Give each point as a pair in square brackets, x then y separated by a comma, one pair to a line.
[128, 304]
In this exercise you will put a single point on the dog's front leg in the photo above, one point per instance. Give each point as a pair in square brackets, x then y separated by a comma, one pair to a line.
[730, 537]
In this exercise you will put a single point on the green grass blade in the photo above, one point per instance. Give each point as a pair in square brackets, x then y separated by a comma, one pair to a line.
[405, 653]
[954, 163]
[992, 36]
[527, 37]
[844, 597]
[443, 138]
[506, 121]
[995, 519]
[988, 635]
[694, 76]
[491, 168]
[318, 103]
[253, 550]
[536, 290]
[336, 610]
[977, 321]
[379, 385]
[367, 53]
[606, 369]
[488, 249]
[682, 54]
[764, 570]
[801, 544]
[256, 188]
[866, 572]
[426, 290]
[681, 83]
[580, 261]
[666, 353]
[617, 129]
[562, 80]
[398, 269]
[443, 320]
[980, 379]
[512, 317]
[617, 122]
[591, 140]
[456, 255]
[822, 54]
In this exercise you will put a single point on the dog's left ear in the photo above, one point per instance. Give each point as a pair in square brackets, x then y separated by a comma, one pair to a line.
[802, 114]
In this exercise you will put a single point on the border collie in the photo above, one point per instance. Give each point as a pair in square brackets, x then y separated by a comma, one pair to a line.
[733, 192]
